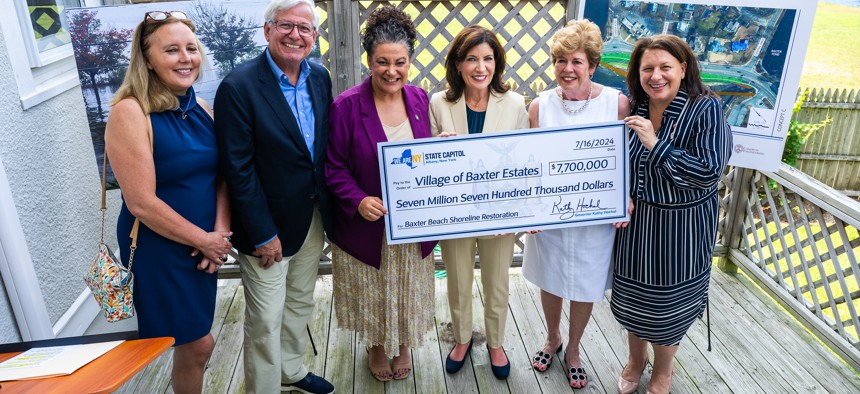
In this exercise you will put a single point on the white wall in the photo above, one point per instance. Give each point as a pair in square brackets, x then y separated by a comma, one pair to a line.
[8, 329]
[52, 173]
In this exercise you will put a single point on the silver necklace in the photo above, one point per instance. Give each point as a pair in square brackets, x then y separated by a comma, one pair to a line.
[574, 110]
[191, 100]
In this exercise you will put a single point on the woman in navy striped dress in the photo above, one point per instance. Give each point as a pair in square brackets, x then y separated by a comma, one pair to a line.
[679, 145]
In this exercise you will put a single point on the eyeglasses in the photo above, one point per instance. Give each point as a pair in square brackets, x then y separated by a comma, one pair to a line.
[285, 27]
[159, 16]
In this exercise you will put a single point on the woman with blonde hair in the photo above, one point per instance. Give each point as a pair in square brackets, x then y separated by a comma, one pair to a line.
[572, 263]
[161, 144]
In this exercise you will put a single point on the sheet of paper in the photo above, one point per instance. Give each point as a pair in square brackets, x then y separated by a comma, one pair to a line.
[52, 361]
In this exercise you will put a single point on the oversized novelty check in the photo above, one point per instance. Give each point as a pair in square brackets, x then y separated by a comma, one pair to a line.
[494, 183]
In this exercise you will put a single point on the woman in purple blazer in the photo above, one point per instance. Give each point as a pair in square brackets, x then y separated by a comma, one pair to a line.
[382, 292]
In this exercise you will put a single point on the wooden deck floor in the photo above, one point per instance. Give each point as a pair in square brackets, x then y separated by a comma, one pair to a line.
[757, 348]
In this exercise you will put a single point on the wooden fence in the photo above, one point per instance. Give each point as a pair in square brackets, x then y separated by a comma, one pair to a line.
[832, 154]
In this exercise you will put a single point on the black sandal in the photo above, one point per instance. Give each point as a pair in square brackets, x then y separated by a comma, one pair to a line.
[544, 359]
[577, 377]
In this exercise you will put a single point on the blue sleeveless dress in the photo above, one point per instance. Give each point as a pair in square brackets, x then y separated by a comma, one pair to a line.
[171, 297]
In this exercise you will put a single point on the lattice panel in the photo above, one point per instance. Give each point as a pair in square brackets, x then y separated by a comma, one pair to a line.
[323, 39]
[523, 27]
[806, 250]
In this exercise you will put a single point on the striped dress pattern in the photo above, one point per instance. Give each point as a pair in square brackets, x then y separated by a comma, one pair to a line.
[663, 258]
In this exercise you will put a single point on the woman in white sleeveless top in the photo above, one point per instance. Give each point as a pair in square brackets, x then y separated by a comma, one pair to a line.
[572, 263]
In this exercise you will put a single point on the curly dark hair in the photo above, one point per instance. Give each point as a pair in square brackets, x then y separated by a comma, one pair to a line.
[388, 25]
[467, 39]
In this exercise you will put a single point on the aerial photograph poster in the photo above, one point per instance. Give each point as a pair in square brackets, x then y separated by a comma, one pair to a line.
[751, 56]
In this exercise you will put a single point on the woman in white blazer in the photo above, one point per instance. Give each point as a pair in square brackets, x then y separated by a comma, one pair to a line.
[477, 102]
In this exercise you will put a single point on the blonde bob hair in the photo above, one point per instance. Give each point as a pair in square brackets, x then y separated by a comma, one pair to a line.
[578, 34]
[141, 83]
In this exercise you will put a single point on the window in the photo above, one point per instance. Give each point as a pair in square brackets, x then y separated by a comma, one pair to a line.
[39, 47]
[48, 24]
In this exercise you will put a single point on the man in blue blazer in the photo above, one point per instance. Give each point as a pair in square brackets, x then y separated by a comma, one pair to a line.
[272, 129]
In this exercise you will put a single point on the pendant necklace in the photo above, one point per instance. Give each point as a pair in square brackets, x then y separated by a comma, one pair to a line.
[575, 110]
[191, 100]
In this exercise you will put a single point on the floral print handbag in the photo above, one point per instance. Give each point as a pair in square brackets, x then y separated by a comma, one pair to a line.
[111, 283]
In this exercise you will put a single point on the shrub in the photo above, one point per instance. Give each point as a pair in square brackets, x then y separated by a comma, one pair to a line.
[798, 132]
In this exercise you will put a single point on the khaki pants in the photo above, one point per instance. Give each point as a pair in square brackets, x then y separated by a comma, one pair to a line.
[459, 256]
[278, 304]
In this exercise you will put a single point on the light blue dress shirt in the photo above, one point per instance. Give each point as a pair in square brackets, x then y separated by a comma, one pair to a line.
[299, 98]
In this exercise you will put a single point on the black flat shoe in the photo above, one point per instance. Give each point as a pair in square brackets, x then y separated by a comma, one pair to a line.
[503, 371]
[451, 365]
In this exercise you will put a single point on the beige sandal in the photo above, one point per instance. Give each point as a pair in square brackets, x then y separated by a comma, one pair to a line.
[379, 372]
[402, 369]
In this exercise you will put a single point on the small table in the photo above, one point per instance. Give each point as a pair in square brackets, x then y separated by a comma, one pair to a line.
[103, 375]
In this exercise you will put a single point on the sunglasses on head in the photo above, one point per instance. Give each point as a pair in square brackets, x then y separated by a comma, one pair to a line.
[159, 16]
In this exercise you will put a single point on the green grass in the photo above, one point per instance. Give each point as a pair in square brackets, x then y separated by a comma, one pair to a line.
[834, 48]
[715, 78]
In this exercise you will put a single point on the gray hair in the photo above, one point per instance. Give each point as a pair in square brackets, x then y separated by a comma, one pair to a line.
[276, 6]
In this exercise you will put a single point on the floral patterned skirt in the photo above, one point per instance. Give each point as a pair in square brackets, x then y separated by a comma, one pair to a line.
[391, 306]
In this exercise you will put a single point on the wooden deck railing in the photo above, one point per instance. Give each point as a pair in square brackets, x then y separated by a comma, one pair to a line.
[798, 239]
